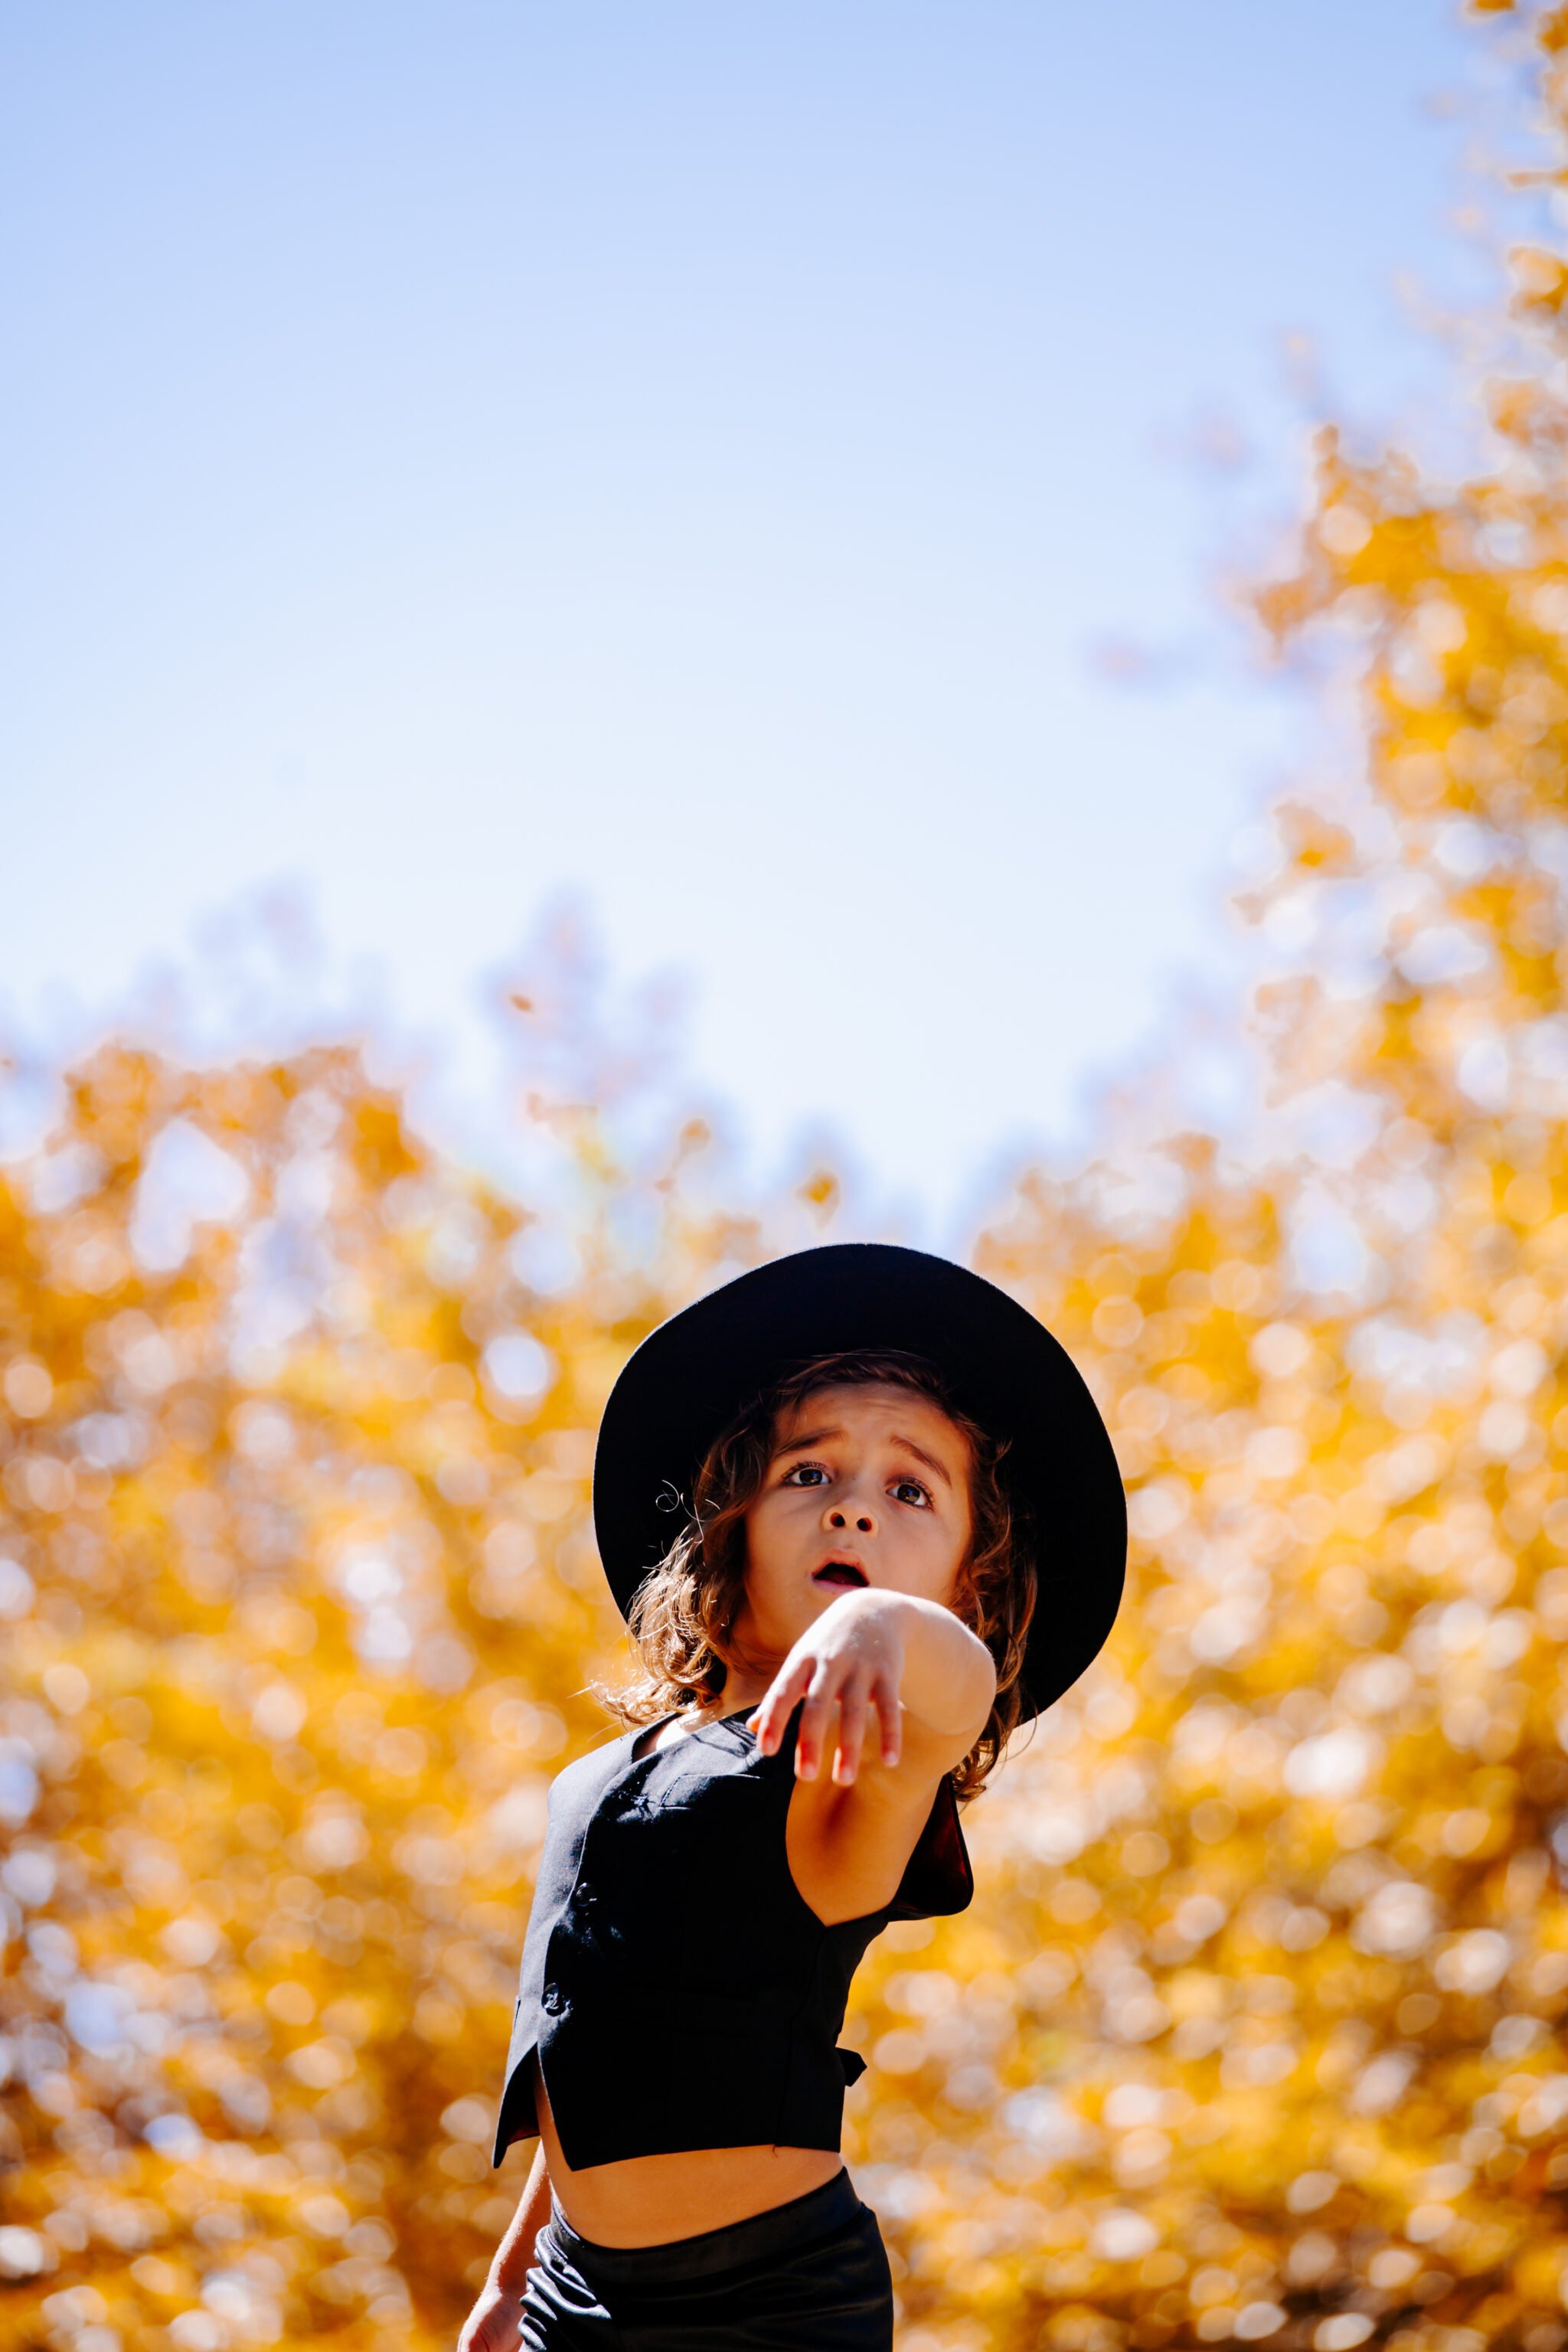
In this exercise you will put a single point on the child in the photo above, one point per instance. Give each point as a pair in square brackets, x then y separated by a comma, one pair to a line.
[898, 1531]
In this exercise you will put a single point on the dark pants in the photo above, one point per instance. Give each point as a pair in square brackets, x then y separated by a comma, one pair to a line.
[809, 2276]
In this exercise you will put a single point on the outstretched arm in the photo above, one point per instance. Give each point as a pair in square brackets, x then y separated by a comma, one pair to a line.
[913, 1663]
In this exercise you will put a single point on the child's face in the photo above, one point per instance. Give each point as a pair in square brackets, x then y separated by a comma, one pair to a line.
[866, 1485]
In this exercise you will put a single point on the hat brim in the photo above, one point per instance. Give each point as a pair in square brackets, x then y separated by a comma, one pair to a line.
[689, 1378]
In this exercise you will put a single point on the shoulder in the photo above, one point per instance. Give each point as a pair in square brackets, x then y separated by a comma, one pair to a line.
[587, 1773]
[857, 1851]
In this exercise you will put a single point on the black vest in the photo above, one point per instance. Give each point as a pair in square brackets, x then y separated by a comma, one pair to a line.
[679, 1989]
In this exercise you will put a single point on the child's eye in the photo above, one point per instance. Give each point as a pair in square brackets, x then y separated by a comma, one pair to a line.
[806, 1473]
[910, 1490]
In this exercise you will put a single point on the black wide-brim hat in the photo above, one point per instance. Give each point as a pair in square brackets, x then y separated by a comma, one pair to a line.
[689, 1379]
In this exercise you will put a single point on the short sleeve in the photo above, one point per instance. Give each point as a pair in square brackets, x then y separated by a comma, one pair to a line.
[938, 1879]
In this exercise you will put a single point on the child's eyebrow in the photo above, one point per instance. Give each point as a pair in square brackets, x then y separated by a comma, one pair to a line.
[806, 1437]
[921, 1456]
[818, 1436]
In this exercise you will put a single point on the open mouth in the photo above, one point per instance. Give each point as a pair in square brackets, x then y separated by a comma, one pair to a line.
[839, 1572]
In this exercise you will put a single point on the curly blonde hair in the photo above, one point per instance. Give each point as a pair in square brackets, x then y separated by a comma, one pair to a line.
[681, 1614]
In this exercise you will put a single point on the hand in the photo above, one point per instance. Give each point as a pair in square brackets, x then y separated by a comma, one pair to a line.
[851, 1659]
[495, 2322]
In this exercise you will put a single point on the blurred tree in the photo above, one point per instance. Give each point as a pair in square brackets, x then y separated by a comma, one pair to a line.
[300, 1598]
[1255, 2031]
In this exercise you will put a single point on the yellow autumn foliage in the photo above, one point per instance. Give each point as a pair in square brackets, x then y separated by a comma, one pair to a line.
[1254, 2033]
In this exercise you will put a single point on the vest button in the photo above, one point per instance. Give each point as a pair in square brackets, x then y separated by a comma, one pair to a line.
[554, 1999]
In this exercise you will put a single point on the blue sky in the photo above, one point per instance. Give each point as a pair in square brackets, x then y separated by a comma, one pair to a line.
[687, 457]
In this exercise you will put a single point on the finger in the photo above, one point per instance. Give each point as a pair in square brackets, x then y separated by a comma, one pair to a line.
[771, 1716]
[762, 1719]
[852, 1712]
[890, 1715]
[814, 1717]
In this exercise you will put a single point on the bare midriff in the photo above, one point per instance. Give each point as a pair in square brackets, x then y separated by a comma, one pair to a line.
[650, 2200]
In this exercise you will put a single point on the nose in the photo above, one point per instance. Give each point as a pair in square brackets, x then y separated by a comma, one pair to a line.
[856, 1514]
